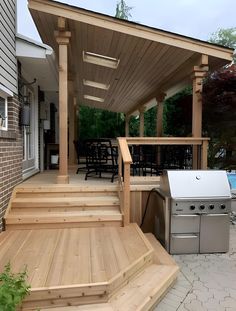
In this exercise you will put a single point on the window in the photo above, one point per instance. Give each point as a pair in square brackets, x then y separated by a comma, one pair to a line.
[3, 113]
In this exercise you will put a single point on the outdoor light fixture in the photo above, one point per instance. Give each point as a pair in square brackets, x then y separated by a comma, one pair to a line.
[98, 99]
[100, 60]
[96, 84]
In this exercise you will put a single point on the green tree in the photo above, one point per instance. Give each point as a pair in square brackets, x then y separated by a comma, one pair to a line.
[150, 118]
[123, 10]
[177, 114]
[219, 114]
[134, 126]
[98, 123]
[225, 37]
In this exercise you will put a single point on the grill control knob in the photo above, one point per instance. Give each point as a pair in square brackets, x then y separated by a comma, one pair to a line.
[192, 207]
[202, 207]
[211, 206]
[222, 206]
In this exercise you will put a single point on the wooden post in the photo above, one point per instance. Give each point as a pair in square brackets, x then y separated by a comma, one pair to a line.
[204, 152]
[198, 74]
[141, 121]
[71, 130]
[119, 164]
[126, 194]
[127, 118]
[62, 38]
[76, 111]
[160, 104]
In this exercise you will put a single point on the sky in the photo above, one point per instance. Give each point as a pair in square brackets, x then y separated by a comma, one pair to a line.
[194, 18]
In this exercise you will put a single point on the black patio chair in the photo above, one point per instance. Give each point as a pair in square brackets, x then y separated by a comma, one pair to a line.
[81, 155]
[150, 163]
[101, 157]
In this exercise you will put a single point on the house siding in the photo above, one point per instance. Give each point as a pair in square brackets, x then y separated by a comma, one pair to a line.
[8, 62]
[11, 139]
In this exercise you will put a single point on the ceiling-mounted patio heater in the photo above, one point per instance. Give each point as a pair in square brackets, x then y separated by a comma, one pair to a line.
[25, 113]
[25, 104]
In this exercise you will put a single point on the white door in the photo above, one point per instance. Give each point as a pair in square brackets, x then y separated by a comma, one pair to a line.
[29, 138]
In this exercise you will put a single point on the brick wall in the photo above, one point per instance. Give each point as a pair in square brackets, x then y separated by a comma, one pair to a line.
[10, 156]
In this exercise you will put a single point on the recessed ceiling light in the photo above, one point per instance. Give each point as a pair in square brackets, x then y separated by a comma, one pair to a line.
[98, 99]
[100, 60]
[96, 84]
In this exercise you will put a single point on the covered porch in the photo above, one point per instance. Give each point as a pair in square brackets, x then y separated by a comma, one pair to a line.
[96, 255]
[123, 67]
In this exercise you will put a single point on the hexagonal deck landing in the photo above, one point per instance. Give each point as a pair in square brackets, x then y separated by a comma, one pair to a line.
[80, 266]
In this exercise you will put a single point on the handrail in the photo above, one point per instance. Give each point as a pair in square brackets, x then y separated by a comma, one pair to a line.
[124, 149]
[166, 140]
[126, 159]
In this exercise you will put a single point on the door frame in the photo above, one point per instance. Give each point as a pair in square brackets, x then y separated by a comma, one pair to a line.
[35, 168]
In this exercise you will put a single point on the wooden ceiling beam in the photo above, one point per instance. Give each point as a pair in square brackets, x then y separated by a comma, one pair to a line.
[140, 31]
[183, 73]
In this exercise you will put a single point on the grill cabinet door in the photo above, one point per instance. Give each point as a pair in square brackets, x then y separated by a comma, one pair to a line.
[214, 233]
[185, 223]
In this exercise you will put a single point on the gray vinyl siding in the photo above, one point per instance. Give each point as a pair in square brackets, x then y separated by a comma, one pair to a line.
[8, 62]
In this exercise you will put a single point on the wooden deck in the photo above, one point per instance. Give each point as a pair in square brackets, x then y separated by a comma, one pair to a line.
[58, 257]
[50, 177]
[143, 291]
[77, 252]
[78, 266]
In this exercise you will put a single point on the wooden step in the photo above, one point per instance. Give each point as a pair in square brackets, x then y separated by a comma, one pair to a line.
[141, 294]
[144, 291]
[92, 307]
[47, 194]
[77, 218]
[62, 206]
[65, 201]
[64, 190]
[60, 209]
[160, 254]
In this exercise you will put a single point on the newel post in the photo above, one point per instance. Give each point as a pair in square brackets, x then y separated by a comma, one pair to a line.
[63, 39]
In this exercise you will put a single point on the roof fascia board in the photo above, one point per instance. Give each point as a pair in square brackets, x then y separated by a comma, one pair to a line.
[141, 31]
[46, 47]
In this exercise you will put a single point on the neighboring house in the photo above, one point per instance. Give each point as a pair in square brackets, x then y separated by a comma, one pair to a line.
[21, 61]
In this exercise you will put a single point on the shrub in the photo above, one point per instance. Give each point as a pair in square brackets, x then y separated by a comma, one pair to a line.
[13, 289]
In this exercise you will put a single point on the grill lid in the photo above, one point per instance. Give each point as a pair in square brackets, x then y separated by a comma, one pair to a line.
[196, 184]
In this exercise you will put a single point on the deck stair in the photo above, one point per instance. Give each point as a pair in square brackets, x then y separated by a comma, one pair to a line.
[63, 207]
[77, 253]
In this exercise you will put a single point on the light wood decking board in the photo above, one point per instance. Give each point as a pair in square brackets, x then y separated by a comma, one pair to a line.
[56, 257]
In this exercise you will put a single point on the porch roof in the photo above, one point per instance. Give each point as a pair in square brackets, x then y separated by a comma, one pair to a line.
[151, 61]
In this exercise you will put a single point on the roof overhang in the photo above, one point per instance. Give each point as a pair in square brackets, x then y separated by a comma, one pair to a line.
[151, 61]
[38, 61]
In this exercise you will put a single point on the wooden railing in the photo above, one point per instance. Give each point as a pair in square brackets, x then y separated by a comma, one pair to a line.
[125, 160]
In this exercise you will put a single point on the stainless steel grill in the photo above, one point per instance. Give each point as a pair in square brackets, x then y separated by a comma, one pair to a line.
[194, 207]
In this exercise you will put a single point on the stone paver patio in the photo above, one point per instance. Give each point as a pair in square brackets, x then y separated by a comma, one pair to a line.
[206, 282]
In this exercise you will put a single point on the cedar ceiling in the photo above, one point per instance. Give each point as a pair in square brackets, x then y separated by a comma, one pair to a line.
[146, 67]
